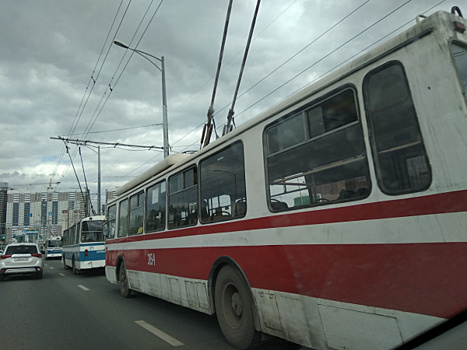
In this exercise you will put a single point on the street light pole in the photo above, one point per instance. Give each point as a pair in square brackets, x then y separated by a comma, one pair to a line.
[165, 127]
[99, 180]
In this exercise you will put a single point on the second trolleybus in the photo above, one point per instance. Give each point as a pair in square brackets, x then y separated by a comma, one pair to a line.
[53, 247]
[83, 245]
[336, 219]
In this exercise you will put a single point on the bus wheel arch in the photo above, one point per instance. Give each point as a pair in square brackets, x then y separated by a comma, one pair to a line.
[233, 303]
[122, 278]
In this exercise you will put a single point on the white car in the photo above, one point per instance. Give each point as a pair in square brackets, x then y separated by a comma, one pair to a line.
[20, 259]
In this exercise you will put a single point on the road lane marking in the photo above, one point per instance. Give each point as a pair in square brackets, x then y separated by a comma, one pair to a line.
[158, 333]
[83, 287]
[51, 268]
[62, 274]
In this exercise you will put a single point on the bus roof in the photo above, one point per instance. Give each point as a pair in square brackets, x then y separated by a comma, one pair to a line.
[151, 172]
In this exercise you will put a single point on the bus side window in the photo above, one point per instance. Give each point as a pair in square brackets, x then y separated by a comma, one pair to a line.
[136, 213]
[222, 188]
[110, 225]
[400, 157]
[326, 162]
[183, 199]
[123, 218]
[156, 207]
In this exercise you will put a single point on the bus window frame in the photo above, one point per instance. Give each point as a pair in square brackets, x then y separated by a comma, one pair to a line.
[139, 197]
[120, 223]
[148, 228]
[238, 207]
[277, 205]
[111, 229]
[372, 134]
[183, 188]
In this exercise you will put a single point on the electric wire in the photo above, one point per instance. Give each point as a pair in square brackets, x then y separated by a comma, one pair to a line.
[364, 49]
[200, 88]
[88, 91]
[121, 129]
[302, 49]
[101, 104]
[99, 108]
[326, 56]
[286, 61]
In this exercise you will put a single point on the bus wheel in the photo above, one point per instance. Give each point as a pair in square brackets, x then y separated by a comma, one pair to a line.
[234, 309]
[65, 266]
[75, 270]
[125, 290]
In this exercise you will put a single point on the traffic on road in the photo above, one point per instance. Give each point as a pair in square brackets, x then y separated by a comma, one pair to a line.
[84, 311]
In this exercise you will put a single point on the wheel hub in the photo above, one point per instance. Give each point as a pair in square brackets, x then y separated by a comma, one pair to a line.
[237, 306]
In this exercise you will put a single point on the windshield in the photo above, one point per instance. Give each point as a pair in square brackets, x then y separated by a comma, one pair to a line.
[54, 243]
[92, 231]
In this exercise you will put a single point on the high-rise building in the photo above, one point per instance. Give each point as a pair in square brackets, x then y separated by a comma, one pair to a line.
[3, 209]
[39, 215]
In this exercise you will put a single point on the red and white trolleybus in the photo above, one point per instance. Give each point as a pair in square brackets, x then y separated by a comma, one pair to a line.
[336, 219]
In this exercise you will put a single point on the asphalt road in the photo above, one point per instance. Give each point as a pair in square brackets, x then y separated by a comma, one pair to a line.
[66, 311]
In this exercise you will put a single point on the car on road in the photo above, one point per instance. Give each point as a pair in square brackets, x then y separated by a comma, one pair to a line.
[21, 259]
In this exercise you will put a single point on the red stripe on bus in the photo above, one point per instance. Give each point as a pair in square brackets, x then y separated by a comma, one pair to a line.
[450, 202]
[428, 278]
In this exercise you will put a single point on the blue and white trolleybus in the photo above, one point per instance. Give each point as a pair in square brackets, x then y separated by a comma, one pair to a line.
[83, 245]
[53, 247]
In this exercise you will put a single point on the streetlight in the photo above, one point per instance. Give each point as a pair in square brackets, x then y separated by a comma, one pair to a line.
[164, 95]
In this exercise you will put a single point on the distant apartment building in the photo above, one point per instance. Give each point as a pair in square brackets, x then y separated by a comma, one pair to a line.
[42, 214]
[3, 207]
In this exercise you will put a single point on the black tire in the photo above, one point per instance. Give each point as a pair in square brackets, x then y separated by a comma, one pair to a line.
[125, 290]
[234, 309]
[2, 278]
[39, 276]
[73, 267]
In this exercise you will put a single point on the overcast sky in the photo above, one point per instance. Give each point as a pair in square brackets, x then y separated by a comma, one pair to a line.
[61, 76]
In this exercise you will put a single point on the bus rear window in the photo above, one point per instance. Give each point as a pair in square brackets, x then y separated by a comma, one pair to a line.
[92, 231]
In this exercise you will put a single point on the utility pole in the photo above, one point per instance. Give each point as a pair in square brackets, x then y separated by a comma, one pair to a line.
[98, 180]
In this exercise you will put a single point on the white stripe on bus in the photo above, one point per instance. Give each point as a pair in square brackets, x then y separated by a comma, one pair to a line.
[414, 229]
